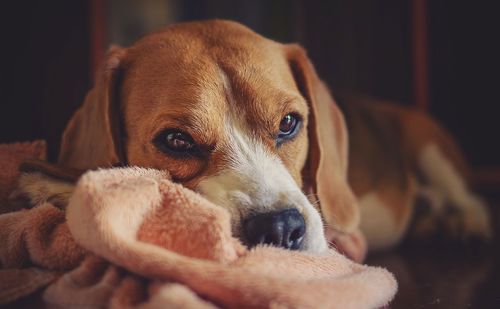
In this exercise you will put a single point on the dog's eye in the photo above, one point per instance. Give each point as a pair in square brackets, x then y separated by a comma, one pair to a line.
[288, 124]
[289, 127]
[175, 142]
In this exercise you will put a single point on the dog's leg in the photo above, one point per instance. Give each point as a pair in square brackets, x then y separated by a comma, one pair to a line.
[429, 203]
[464, 214]
[36, 188]
[382, 227]
[377, 222]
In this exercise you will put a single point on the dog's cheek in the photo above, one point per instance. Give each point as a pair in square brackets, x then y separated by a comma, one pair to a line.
[294, 157]
[315, 237]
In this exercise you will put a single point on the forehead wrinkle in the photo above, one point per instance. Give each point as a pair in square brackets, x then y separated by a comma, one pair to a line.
[178, 119]
[240, 99]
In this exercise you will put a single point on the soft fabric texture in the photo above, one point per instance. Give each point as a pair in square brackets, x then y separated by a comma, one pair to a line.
[147, 242]
[29, 237]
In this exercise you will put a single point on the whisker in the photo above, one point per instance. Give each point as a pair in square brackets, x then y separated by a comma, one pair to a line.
[313, 195]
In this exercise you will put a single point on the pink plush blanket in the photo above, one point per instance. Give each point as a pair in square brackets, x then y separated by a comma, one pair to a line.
[132, 238]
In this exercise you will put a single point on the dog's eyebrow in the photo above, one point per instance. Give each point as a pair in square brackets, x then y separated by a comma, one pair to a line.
[180, 120]
[188, 122]
[290, 103]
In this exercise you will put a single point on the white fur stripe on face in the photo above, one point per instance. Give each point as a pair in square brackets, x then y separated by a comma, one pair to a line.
[256, 181]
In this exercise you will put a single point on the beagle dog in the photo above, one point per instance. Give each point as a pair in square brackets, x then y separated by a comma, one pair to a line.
[240, 119]
[247, 123]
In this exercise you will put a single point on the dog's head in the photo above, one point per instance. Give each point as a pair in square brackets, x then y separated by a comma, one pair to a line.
[243, 120]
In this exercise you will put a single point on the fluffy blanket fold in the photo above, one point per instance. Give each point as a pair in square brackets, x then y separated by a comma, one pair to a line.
[132, 238]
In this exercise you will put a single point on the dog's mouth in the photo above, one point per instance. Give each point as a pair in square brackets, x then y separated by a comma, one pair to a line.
[282, 228]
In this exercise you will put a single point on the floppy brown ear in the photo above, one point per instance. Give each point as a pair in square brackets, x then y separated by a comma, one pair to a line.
[92, 137]
[326, 169]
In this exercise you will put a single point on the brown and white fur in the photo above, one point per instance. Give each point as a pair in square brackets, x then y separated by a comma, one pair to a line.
[229, 88]
[399, 156]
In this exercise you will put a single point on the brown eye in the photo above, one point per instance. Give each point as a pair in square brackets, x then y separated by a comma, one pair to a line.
[288, 124]
[289, 127]
[175, 142]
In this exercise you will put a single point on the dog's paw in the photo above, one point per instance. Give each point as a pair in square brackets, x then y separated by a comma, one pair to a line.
[477, 221]
[469, 221]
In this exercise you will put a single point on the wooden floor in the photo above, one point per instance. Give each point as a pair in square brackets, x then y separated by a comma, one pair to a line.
[445, 275]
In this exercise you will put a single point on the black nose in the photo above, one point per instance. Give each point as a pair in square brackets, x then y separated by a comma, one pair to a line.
[284, 228]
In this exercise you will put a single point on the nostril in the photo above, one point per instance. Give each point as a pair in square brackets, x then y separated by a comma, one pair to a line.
[297, 234]
[271, 231]
[294, 240]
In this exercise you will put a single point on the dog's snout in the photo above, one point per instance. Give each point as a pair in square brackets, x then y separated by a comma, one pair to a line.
[284, 228]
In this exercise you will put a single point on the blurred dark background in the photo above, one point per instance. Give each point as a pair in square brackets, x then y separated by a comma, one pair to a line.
[436, 55]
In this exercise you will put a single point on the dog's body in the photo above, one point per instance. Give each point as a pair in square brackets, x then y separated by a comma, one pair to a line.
[401, 159]
[225, 96]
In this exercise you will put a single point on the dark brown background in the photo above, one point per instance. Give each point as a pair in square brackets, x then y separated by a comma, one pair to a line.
[49, 50]
[362, 46]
